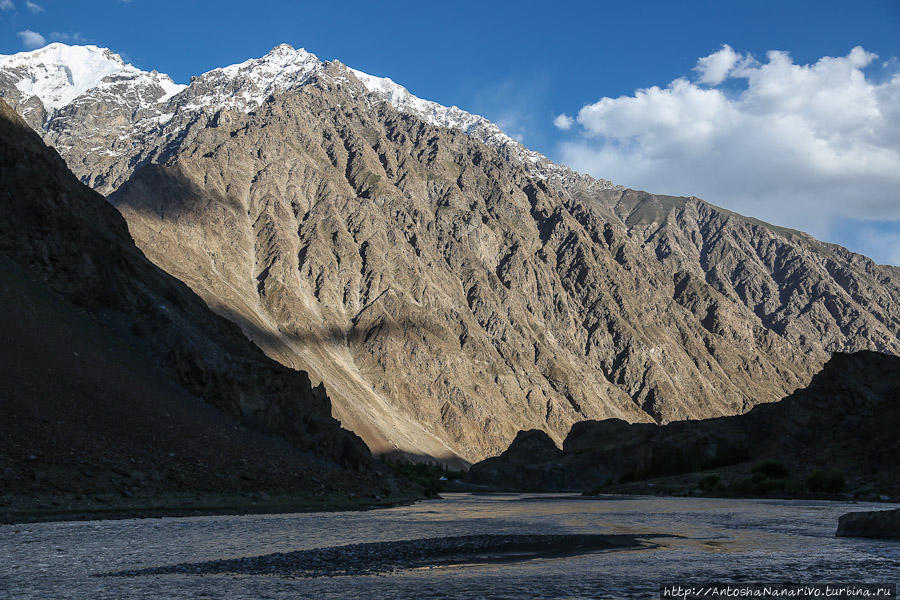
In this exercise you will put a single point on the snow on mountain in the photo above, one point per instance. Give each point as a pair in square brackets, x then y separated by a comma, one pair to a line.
[245, 85]
[436, 114]
[58, 73]
[63, 77]
[432, 112]
[475, 126]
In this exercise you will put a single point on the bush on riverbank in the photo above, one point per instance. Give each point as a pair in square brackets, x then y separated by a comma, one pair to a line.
[828, 482]
[709, 483]
[430, 476]
[690, 459]
[768, 478]
[774, 469]
[773, 477]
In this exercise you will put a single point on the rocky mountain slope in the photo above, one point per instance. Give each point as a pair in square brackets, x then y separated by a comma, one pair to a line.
[449, 286]
[115, 376]
[845, 420]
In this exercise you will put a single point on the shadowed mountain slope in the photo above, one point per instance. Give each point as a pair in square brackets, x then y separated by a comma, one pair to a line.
[110, 364]
[845, 420]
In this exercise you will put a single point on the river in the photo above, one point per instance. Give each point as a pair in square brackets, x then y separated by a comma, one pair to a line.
[690, 540]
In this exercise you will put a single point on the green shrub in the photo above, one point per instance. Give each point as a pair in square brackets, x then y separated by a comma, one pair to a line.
[828, 482]
[709, 483]
[773, 469]
[760, 484]
[743, 486]
[427, 475]
[689, 459]
[767, 486]
[628, 477]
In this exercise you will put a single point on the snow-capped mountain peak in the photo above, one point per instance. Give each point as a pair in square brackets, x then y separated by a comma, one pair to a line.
[245, 85]
[401, 99]
[283, 62]
[59, 73]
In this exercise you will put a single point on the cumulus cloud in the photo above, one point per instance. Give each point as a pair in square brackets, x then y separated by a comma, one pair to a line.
[564, 121]
[715, 68]
[7, 5]
[32, 39]
[35, 8]
[804, 145]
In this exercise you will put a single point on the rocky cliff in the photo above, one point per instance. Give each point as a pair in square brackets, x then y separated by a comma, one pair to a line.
[447, 285]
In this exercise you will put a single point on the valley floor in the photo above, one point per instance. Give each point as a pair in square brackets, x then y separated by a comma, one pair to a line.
[680, 541]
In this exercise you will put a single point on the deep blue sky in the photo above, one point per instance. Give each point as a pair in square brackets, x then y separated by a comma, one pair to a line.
[518, 63]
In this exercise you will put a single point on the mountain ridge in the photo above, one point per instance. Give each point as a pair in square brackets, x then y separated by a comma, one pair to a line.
[449, 293]
[246, 85]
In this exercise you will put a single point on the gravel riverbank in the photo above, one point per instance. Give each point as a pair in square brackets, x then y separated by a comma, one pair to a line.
[385, 557]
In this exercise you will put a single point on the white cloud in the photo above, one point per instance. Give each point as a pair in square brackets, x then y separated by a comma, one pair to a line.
[716, 67]
[564, 121]
[7, 5]
[35, 8]
[800, 145]
[32, 39]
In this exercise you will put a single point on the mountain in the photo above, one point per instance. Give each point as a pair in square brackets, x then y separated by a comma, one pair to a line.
[844, 421]
[45, 80]
[115, 376]
[107, 117]
[449, 286]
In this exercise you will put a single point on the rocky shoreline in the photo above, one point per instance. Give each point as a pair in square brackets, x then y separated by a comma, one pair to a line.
[387, 557]
[879, 524]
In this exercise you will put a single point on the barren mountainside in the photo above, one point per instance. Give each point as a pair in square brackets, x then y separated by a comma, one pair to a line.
[100, 335]
[448, 286]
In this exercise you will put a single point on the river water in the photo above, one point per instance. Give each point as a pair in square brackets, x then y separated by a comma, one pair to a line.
[712, 540]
